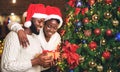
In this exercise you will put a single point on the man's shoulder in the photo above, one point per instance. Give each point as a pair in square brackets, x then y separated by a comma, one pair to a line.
[11, 34]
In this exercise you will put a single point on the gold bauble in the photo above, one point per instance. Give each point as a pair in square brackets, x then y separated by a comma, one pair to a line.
[85, 45]
[95, 17]
[103, 42]
[107, 15]
[99, 68]
[82, 59]
[91, 11]
[99, 0]
[115, 22]
[92, 64]
[110, 70]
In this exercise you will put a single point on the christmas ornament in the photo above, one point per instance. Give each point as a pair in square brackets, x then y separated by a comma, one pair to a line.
[92, 45]
[108, 32]
[91, 11]
[91, 2]
[87, 33]
[82, 59]
[78, 24]
[99, 0]
[118, 9]
[95, 17]
[85, 20]
[97, 31]
[108, 1]
[99, 68]
[92, 64]
[117, 37]
[83, 41]
[84, 10]
[76, 30]
[71, 3]
[115, 22]
[102, 41]
[107, 15]
[106, 55]
[78, 3]
[109, 70]
[85, 45]
[77, 11]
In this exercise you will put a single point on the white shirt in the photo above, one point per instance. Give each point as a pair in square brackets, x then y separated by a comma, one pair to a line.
[15, 58]
[52, 44]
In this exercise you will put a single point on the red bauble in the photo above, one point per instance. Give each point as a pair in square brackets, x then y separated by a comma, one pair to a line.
[106, 55]
[91, 2]
[108, 1]
[108, 32]
[97, 31]
[118, 9]
[92, 45]
[86, 20]
[87, 33]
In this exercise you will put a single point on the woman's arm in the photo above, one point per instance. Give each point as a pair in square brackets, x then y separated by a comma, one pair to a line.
[14, 26]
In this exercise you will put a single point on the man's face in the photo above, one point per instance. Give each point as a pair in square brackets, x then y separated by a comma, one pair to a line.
[50, 27]
[37, 24]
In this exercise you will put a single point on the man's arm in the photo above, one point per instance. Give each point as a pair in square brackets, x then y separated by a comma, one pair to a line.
[10, 55]
[14, 26]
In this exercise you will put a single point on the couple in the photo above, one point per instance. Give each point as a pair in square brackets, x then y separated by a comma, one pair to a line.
[16, 58]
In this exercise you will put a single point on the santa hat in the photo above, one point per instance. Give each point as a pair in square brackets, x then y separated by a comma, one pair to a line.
[35, 11]
[54, 12]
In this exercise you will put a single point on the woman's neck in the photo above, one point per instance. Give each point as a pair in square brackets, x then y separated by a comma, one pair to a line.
[47, 39]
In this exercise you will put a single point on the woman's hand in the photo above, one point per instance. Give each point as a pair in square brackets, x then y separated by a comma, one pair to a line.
[45, 60]
[23, 38]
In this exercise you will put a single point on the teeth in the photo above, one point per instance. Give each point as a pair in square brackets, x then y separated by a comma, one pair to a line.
[50, 33]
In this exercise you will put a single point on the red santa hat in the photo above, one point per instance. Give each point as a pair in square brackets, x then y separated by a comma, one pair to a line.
[35, 11]
[54, 12]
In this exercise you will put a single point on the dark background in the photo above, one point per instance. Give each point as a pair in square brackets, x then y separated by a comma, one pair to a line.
[6, 6]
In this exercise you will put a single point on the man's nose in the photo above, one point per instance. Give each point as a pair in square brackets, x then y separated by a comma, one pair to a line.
[41, 24]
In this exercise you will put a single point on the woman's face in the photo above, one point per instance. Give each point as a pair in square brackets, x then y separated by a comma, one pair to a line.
[50, 27]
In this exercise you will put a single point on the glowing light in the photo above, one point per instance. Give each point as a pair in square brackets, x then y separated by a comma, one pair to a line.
[12, 14]
[13, 1]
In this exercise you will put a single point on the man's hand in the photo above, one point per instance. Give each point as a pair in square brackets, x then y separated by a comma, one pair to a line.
[23, 38]
[45, 60]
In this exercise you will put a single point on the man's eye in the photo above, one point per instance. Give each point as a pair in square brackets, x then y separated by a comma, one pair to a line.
[49, 26]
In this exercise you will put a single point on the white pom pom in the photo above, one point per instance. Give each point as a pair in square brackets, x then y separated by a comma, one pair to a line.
[27, 24]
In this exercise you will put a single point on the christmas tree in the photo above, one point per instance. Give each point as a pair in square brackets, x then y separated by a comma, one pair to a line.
[92, 31]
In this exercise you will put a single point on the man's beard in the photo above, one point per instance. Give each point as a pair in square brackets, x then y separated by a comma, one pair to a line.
[33, 28]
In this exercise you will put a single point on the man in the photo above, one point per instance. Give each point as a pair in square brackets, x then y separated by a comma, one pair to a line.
[15, 58]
